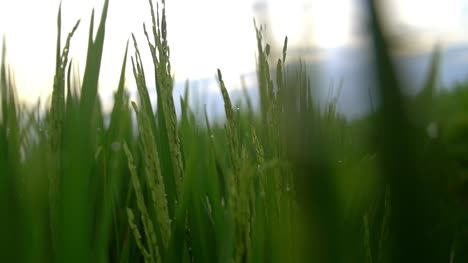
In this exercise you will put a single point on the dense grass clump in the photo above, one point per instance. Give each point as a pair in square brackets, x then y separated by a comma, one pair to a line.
[293, 182]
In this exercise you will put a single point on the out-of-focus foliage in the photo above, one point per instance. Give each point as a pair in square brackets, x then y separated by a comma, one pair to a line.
[294, 182]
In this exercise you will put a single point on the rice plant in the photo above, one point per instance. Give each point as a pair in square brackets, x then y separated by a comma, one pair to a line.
[292, 182]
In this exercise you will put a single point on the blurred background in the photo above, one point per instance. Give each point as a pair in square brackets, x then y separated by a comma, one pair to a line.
[330, 36]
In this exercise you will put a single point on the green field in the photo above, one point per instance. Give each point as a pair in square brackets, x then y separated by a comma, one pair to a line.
[289, 182]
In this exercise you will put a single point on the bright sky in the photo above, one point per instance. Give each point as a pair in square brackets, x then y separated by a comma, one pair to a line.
[204, 35]
[427, 22]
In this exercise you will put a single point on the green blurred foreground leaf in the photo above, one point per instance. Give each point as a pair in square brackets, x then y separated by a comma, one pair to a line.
[293, 182]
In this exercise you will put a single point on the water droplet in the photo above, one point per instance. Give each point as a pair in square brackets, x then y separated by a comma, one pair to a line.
[288, 189]
[212, 136]
[238, 109]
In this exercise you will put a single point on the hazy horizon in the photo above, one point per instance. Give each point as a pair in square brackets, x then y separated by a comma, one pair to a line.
[208, 34]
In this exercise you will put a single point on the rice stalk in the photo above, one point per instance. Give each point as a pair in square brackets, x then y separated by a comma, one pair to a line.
[154, 177]
[57, 122]
[167, 118]
[151, 253]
